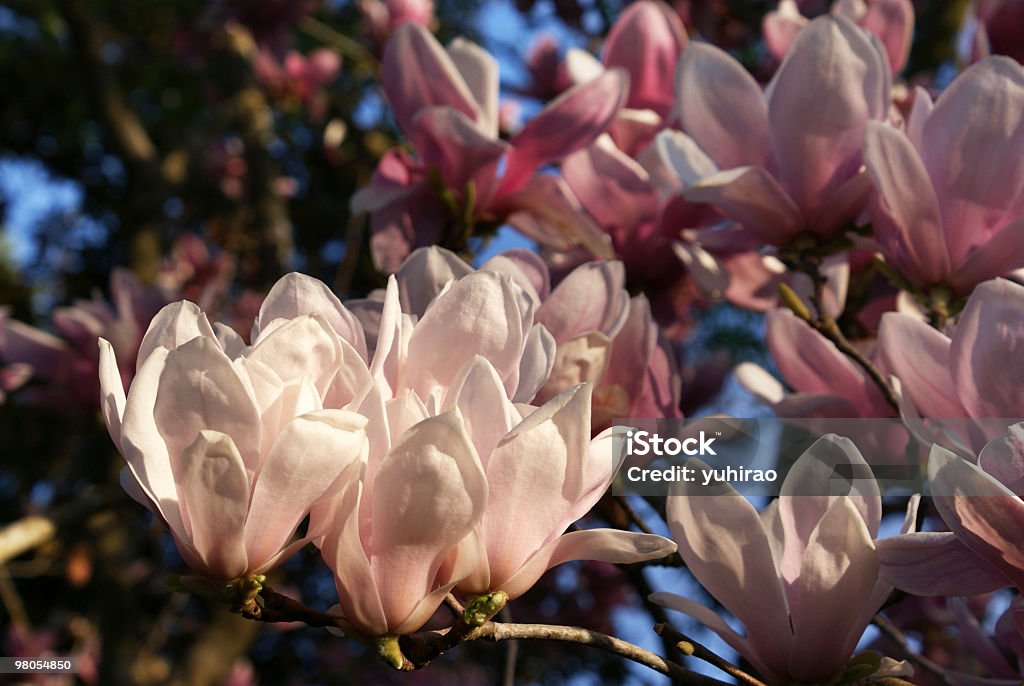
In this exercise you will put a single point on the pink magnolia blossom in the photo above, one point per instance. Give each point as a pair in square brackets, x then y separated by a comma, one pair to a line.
[971, 374]
[299, 78]
[450, 451]
[828, 383]
[382, 17]
[64, 364]
[938, 216]
[802, 576]
[790, 158]
[229, 445]
[446, 102]
[981, 503]
[892, 21]
[646, 41]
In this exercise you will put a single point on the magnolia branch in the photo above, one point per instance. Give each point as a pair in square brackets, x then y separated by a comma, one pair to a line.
[415, 651]
[688, 646]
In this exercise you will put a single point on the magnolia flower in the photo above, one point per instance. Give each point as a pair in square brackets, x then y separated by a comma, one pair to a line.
[790, 159]
[981, 503]
[229, 445]
[452, 455]
[892, 21]
[972, 374]
[802, 576]
[828, 383]
[938, 216]
[299, 78]
[646, 41]
[446, 102]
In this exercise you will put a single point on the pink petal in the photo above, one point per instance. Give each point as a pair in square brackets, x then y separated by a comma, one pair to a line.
[569, 122]
[302, 347]
[1000, 255]
[479, 315]
[936, 564]
[893, 22]
[833, 81]
[988, 383]
[615, 190]
[337, 522]
[722, 108]
[214, 492]
[919, 356]
[975, 134]
[591, 298]
[542, 462]
[781, 27]
[488, 414]
[429, 494]
[526, 269]
[647, 40]
[310, 453]
[983, 513]
[811, 363]
[417, 73]
[424, 273]
[579, 360]
[724, 544]
[605, 545]
[837, 575]
[199, 389]
[536, 364]
[296, 294]
[479, 70]
[112, 395]
[905, 211]
[174, 325]
[1003, 458]
[752, 197]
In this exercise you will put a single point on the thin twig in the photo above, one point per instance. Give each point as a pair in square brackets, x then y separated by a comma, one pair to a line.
[691, 647]
[896, 636]
[632, 514]
[414, 651]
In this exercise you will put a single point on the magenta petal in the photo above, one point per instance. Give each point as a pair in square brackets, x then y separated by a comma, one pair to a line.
[647, 40]
[570, 122]
[998, 256]
[893, 22]
[450, 142]
[418, 73]
[781, 27]
[722, 108]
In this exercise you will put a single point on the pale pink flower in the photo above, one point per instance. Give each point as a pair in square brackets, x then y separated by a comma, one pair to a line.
[448, 443]
[300, 79]
[802, 576]
[981, 503]
[229, 445]
[446, 102]
[790, 158]
[381, 17]
[827, 382]
[939, 216]
[969, 375]
[892, 21]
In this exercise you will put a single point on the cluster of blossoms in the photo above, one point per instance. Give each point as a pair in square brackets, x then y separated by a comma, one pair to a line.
[444, 435]
[423, 467]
